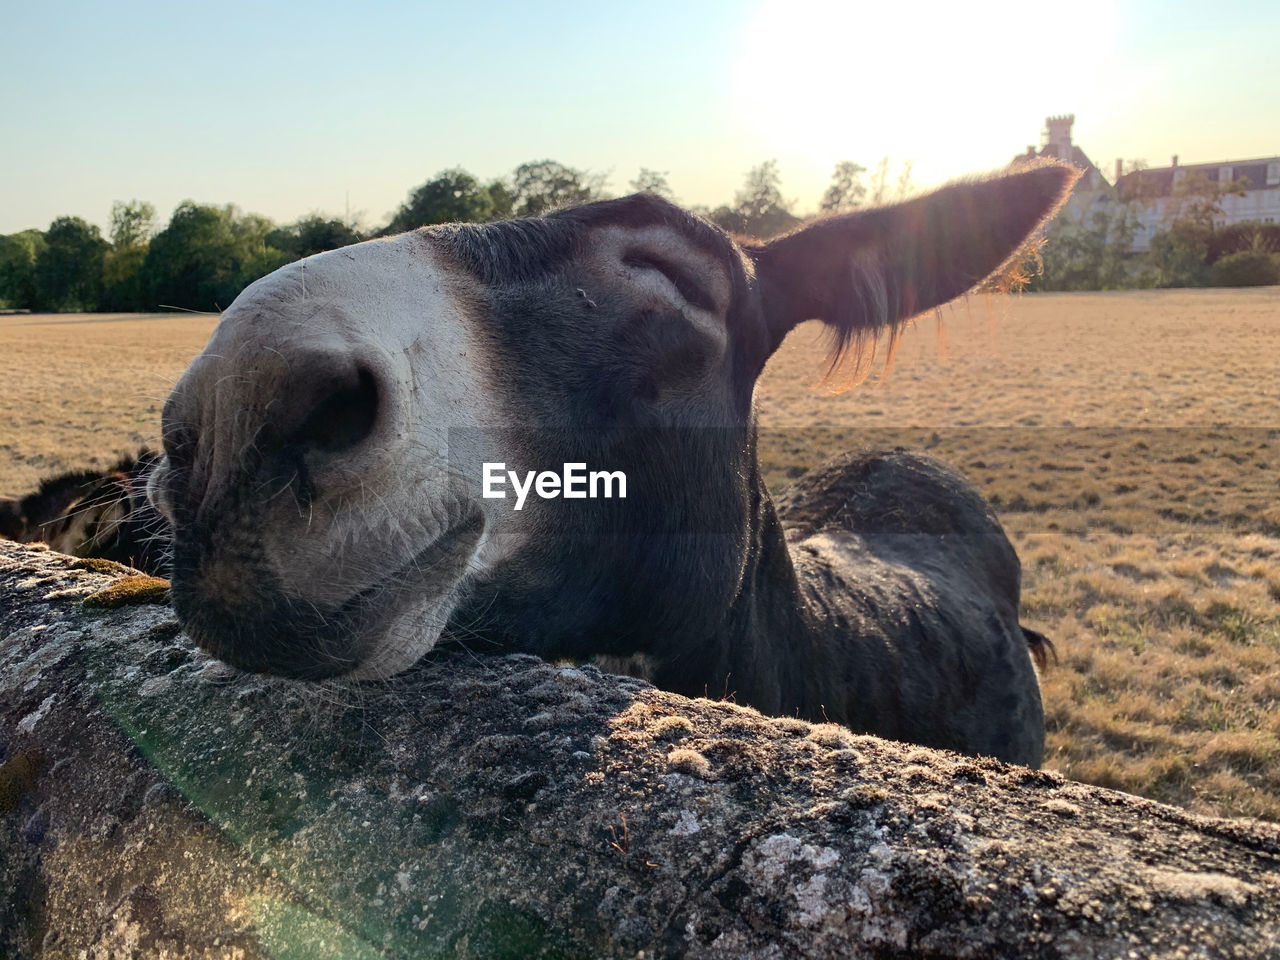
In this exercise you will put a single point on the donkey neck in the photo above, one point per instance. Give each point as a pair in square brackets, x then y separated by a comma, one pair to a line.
[760, 654]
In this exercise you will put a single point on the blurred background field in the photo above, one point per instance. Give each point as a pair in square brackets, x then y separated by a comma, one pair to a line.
[1129, 441]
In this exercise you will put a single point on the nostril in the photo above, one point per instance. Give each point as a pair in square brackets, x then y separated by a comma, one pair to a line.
[344, 418]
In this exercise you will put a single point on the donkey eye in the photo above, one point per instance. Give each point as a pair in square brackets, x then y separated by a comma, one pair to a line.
[689, 288]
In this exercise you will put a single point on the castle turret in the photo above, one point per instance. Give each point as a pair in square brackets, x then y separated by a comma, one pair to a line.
[1057, 136]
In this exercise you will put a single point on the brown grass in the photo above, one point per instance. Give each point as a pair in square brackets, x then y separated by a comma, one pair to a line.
[1130, 441]
[78, 390]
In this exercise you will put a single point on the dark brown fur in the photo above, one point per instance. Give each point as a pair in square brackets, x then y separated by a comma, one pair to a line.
[94, 513]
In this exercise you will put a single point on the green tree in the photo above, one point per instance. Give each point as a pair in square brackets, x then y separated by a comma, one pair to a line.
[1180, 253]
[1197, 200]
[726, 218]
[761, 195]
[1244, 236]
[132, 224]
[1088, 249]
[546, 185]
[1088, 245]
[503, 197]
[847, 191]
[758, 208]
[206, 255]
[452, 196]
[18, 255]
[1248, 268]
[68, 271]
[121, 285]
[312, 234]
[652, 181]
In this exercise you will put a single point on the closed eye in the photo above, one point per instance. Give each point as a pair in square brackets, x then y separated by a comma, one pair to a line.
[694, 294]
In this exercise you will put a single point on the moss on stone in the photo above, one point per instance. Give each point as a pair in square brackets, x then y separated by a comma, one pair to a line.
[129, 591]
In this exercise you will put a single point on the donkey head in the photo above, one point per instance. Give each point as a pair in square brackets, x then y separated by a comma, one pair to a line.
[325, 454]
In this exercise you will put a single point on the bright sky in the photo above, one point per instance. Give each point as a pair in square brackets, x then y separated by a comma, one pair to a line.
[288, 108]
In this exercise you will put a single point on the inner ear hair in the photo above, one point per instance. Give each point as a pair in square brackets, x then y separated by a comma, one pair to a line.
[866, 272]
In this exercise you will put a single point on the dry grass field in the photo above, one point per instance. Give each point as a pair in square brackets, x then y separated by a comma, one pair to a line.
[1131, 445]
[1130, 442]
[78, 390]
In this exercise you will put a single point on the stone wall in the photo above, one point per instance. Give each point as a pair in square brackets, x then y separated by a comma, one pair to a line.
[155, 803]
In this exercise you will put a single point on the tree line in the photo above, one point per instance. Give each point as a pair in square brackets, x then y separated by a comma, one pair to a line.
[206, 254]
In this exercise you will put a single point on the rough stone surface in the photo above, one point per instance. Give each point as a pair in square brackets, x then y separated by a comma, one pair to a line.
[153, 803]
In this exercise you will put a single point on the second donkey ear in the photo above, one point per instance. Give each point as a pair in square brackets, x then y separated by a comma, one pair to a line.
[865, 271]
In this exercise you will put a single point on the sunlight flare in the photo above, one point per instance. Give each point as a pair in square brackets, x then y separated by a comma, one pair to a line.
[824, 80]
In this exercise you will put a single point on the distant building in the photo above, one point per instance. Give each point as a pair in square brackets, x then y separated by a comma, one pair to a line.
[1055, 142]
[1261, 200]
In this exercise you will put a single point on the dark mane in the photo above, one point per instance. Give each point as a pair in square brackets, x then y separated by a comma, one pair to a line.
[649, 210]
[57, 494]
[521, 251]
[101, 513]
[509, 251]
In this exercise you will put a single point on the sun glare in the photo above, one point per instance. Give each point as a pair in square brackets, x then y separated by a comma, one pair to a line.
[946, 84]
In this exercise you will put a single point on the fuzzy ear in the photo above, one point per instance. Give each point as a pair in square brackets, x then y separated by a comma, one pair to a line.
[862, 272]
